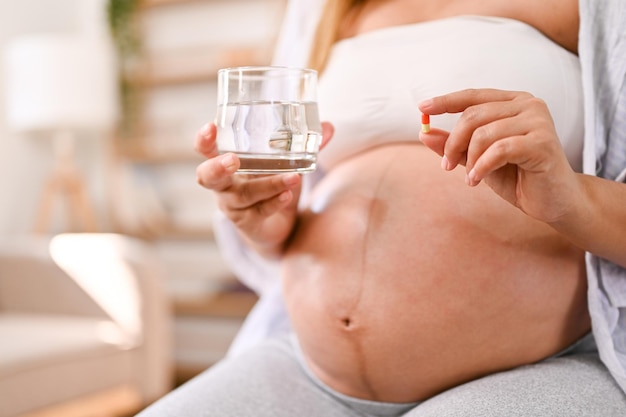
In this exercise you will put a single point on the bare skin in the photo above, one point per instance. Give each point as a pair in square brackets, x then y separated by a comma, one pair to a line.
[399, 279]
[402, 281]
[557, 19]
[526, 166]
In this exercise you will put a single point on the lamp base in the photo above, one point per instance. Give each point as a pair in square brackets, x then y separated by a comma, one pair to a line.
[66, 182]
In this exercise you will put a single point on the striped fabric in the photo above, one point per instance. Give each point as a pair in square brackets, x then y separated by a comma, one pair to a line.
[602, 50]
[615, 156]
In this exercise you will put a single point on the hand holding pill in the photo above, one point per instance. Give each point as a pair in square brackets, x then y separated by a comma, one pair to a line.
[507, 139]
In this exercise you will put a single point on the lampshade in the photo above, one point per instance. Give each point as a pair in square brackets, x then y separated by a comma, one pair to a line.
[60, 81]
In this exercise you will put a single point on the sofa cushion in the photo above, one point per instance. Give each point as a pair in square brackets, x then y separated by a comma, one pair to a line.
[50, 358]
[31, 282]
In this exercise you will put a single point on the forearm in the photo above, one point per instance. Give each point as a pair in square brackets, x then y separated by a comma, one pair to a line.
[598, 222]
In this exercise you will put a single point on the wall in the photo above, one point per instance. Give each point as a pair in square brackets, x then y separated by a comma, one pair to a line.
[194, 35]
[193, 265]
[25, 161]
[176, 111]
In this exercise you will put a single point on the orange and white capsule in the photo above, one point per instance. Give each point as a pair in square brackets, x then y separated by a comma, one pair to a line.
[425, 123]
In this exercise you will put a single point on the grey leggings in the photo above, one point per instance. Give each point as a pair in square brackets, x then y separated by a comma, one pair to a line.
[272, 380]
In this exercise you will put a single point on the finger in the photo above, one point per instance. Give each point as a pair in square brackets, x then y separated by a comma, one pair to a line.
[217, 173]
[435, 139]
[205, 143]
[515, 150]
[257, 191]
[328, 130]
[458, 101]
[474, 123]
[273, 205]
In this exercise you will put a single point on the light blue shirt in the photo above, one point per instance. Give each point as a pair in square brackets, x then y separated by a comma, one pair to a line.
[602, 50]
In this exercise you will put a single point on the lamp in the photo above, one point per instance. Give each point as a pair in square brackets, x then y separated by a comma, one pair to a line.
[61, 85]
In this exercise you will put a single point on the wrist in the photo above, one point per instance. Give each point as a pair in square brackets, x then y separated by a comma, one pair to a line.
[576, 210]
[593, 223]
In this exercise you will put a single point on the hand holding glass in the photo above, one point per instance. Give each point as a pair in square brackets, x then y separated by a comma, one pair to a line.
[268, 116]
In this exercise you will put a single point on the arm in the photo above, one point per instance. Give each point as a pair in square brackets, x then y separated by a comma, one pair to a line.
[508, 140]
[598, 223]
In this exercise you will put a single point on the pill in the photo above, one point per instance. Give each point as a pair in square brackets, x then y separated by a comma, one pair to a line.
[425, 123]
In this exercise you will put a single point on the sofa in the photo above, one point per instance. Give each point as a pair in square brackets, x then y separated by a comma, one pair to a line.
[85, 326]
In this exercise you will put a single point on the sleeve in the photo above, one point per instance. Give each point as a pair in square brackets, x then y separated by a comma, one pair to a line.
[296, 32]
[255, 271]
[601, 40]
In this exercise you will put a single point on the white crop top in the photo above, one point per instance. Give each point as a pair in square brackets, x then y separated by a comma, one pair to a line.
[372, 82]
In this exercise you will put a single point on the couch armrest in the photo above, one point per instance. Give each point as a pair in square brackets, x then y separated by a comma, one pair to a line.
[96, 274]
[31, 282]
[125, 277]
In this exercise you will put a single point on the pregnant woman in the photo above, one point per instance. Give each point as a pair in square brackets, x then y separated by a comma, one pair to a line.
[385, 280]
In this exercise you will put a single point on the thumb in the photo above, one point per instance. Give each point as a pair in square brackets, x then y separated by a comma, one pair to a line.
[327, 133]
[435, 139]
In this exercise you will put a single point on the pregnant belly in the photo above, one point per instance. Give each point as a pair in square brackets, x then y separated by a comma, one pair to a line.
[401, 281]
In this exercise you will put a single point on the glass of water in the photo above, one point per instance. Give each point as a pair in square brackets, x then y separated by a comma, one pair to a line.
[268, 116]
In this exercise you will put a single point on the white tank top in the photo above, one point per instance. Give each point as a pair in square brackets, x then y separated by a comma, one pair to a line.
[372, 83]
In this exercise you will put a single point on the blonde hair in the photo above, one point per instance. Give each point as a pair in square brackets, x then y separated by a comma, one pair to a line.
[333, 15]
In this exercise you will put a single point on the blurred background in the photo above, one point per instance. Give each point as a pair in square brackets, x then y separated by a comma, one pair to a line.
[112, 290]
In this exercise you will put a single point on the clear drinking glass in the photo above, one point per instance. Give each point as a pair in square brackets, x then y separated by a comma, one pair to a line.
[268, 116]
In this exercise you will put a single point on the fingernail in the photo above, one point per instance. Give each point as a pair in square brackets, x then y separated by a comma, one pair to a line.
[228, 161]
[426, 104]
[204, 130]
[471, 177]
[284, 196]
[445, 164]
[290, 179]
